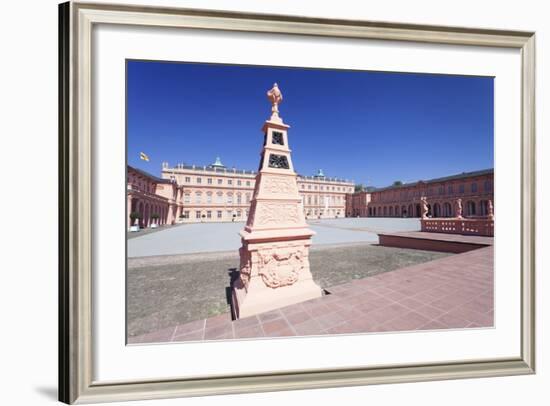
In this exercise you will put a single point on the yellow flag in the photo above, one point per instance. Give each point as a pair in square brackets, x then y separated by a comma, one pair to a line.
[143, 156]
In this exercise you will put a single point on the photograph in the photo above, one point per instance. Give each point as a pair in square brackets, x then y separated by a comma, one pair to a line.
[267, 202]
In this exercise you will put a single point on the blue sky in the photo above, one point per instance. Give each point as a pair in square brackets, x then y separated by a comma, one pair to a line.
[372, 127]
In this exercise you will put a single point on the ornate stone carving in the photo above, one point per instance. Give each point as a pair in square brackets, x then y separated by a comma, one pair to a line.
[275, 96]
[280, 185]
[276, 213]
[277, 138]
[245, 267]
[281, 268]
[278, 161]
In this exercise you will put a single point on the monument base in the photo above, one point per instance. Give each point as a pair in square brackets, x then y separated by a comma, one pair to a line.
[273, 274]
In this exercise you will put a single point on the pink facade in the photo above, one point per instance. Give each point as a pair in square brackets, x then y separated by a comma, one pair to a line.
[151, 197]
[474, 190]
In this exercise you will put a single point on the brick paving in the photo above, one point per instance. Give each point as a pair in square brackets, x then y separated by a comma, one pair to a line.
[451, 292]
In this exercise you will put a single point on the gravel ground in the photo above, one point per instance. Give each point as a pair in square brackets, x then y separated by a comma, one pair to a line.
[167, 290]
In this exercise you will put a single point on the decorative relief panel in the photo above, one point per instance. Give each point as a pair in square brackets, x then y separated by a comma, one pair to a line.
[280, 185]
[278, 161]
[245, 267]
[281, 268]
[276, 213]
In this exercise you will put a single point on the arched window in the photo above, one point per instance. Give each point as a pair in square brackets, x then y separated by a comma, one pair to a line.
[447, 210]
[198, 197]
[471, 206]
[219, 197]
[437, 210]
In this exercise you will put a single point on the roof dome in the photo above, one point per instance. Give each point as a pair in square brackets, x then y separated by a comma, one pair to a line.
[218, 163]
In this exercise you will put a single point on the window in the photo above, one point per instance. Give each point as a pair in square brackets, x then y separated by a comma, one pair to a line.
[238, 213]
[220, 181]
[230, 198]
[219, 197]
[208, 214]
[450, 190]
[229, 214]
[321, 187]
[441, 190]
[315, 187]
[239, 183]
[209, 197]
[488, 186]
[239, 198]
[247, 183]
[219, 213]
[198, 214]
[303, 186]
[229, 181]
[198, 197]
[209, 181]
[187, 179]
[473, 187]
[247, 198]
[186, 214]
[461, 189]
[199, 180]
[309, 187]
[309, 200]
[187, 198]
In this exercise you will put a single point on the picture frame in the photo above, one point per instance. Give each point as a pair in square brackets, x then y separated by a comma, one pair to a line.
[76, 214]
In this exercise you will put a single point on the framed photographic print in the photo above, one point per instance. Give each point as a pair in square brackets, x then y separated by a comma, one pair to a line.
[264, 202]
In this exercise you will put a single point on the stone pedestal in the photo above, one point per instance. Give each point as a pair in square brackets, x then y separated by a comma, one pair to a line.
[274, 263]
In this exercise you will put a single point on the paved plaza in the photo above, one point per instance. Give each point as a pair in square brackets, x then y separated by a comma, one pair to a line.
[215, 237]
[451, 292]
[168, 290]
[179, 283]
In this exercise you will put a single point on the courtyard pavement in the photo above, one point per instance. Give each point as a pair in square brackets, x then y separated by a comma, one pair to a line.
[451, 292]
[215, 237]
[169, 290]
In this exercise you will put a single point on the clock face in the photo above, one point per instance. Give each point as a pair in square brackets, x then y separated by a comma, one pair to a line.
[278, 161]
[277, 138]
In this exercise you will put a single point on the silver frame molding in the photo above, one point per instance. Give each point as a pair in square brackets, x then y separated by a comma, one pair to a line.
[76, 21]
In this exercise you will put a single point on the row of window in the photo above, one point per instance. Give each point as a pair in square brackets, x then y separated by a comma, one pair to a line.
[487, 187]
[334, 188]
[326, 200]
[207, 214]
[210, 181]
[219, 197]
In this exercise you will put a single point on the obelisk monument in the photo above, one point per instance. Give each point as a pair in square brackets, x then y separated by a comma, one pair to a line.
[274, 263]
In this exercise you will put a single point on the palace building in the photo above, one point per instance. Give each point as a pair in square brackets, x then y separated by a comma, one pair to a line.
[474, 189]
[215, 193]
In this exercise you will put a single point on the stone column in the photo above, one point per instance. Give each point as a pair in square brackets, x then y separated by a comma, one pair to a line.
[274, 262]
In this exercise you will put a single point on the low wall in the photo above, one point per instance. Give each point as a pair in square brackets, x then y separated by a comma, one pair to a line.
[399, 241]
[484, 227]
